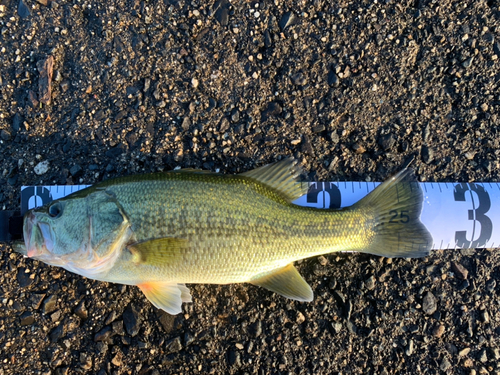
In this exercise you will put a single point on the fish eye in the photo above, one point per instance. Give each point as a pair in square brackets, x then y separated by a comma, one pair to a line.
[55, 209]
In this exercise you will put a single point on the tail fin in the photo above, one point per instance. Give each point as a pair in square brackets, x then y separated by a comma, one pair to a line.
[396, 206]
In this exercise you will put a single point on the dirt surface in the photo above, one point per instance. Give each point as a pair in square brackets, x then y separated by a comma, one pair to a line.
[92, 90]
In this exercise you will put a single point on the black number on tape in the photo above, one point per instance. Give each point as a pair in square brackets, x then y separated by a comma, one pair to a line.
[477, 215]
[321, 187]
[334, 193]
[400, 217]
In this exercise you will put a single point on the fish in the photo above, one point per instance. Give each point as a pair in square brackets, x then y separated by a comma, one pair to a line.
[161, 231]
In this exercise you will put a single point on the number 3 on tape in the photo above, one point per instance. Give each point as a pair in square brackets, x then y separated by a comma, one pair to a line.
[481, 204]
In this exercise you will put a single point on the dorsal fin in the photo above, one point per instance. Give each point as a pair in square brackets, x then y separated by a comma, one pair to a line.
[282, 177]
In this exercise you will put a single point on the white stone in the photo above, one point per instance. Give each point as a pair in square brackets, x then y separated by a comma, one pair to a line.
[42, 167]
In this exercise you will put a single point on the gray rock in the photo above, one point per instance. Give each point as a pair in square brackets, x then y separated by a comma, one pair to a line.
[235, 115]
[427, 154]
[111, 317]
[496, 48]
[287, 20]
[57, 333]
[186, 123]
[318, 128]
[370, 283]
[429, 303]
[409, 348]
[351, 327]
[132, 320]
[36, 300]
[118, 328]
[23, 10]
[333, 79]
[221, 12]
[103, 335]
[256, 328]
[17, 120]
[50, 304]
[495, 352]
[46, 69]
[173, 346]
[5, 135]
[386, 141]
[55, 317]
[459, 270]
[24, 279]
[491, 285]
[41, 168]
[463, 285]
[468, 62]
[224, 125]
[337, 327]
[81, 311]
[483, 356]
[27, 318]
[298, 79]
[188, 339]
[234, 358]
[438, 330]
[445, 364]
[76, 170]
[273, 109]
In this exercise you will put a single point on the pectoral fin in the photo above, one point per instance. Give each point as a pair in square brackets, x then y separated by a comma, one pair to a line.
[159, 251]
[287, 282]
[166, 296]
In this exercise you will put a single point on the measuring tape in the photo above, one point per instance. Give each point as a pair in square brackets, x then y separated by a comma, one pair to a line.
[456, 214]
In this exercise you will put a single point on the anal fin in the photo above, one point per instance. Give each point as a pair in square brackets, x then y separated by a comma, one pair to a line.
[287, 282]
[166, 296]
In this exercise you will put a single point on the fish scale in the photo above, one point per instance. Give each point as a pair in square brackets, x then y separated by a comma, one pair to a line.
[162, 230]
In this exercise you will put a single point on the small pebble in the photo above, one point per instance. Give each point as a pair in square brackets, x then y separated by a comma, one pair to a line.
[467, 63]
[300, 318]
[173, 346]
[438, 330]
[483, 356]
[49, 305]
[132, 320]
[445, 364]
[409, 349]
[464, 352]
[23, 10]
[370, 283]
[27, 318]
[41, 168]
[5, 135]
[322, 260]
[429, 303]
[459, 270]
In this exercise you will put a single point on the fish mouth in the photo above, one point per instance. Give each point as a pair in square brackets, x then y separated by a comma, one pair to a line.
[37, 236]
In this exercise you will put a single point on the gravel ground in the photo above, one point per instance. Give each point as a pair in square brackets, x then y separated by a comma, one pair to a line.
[92, 90]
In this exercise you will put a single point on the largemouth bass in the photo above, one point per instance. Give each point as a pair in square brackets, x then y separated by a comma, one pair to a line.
[160, 231]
